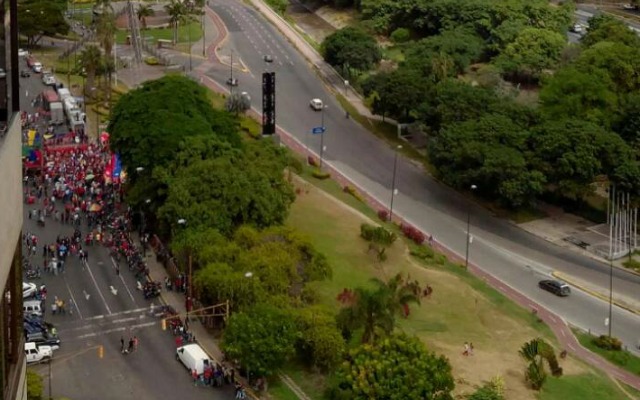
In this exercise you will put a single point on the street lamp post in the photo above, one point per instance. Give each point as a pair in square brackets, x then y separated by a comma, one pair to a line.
[183, 222]
[204, 34]
[322, 134]
[393, 181]
[466, 256]
[68, 63]
[189, 36]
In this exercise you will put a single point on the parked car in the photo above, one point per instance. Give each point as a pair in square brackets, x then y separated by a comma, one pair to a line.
[577, 28]
[37, 67]
[28, 289]
[36, 353]
[43, 339]
[316, 104]
[49, 79]
[232, 81]
[556, 287]
[192, 356]
[25, 73]
[22, 53]
[30, 61]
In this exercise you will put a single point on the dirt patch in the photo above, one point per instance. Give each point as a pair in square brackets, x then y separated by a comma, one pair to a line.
[337, 18]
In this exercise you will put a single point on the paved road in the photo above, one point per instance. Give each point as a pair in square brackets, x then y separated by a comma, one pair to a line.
[516, 257]
[100, 318]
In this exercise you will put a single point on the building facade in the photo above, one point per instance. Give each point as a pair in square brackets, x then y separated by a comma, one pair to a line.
[12, 360]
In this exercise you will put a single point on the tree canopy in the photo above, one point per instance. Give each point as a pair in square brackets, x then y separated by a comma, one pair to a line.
[532, 51]
[397, 367]
[38, 18]
[148, 123]
[351, 48]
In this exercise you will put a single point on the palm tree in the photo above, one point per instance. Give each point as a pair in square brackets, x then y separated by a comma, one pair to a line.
[143, 12]
[536, 352]
[177, 13]
[400, 294]
[371, 311]
[91, 59]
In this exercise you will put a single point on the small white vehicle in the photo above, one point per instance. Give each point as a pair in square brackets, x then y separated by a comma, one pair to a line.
[37, 67]
[192, 356]
[22, 53]
[35, 354]
[49, 79]
[316, 104]
[577, 28]
[28, 289]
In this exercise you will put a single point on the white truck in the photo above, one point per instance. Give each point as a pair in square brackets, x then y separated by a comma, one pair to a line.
[57, 113]
[35, 354]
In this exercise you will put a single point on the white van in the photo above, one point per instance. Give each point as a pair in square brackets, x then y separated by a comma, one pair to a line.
[193, 357]
[32, 308]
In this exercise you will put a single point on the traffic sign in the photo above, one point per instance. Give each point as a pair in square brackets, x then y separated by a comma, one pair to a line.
[318, 129]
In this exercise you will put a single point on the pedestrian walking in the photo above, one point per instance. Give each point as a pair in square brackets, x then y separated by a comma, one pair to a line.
[131, 344]
[470, 349]
[466, 349]
[136, 342]
[122, 349]
[194, 375]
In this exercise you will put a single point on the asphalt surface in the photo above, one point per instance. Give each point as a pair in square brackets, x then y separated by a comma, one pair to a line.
[102, 316]
[518, 258]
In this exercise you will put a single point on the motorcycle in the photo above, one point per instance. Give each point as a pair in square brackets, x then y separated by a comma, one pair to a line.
[33, 274]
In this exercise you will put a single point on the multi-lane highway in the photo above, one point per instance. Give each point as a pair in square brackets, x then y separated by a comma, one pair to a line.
[518, 258]
[107, 306]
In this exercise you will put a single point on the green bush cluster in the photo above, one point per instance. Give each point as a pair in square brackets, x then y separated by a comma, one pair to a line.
[319, 174]
[353, 192]
[151, 61]
[608, 342]
[632, 264]
[377, 234]
[423, 252]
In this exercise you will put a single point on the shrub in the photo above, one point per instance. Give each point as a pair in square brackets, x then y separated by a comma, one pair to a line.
[318, 174]
[400, 35]
[295, 164]
[151, 61]
[632, 264]
[377, 234]
[423, 253]
[383, 215]
[312, 161]
[608, 342]
[353, 192]
[413, 233]
[440, 259]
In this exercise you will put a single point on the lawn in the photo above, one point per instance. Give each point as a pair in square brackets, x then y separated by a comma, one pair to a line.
[581, 387]
[462, 308]
[623, 359]
[192, 28]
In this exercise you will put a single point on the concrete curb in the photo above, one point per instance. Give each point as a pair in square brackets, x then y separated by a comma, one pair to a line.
[568, 279]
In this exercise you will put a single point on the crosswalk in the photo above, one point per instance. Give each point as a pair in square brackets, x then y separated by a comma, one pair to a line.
[99, 325]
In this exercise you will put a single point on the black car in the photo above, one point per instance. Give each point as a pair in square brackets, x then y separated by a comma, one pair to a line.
[556, 287]
[42, 338]
[232, 81]
[25, 73]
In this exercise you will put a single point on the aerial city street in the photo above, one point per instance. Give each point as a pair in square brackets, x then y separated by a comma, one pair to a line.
[111, 324]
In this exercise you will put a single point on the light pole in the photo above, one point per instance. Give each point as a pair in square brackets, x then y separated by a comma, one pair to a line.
[393, 181]
[466, 257]
[189, 36]
[322, 134]
[231, 73]
[183, 222]
[68, 63]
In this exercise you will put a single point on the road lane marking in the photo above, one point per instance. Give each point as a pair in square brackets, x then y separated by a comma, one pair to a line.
[75, 303]
[119, 329]
[118, 313]
[127, 288]
[97, 288]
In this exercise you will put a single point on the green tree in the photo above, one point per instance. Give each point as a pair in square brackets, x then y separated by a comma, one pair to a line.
[177, 12]
[237, 103]
[489, 153]
[398, 367]
[627, 122]
[397, 94]
[493, 390]
[569, 153]
[464, 47]
[619, 61]
[148, 124]
[536, 352]
[320, 344]
[38, 18]
[261, 339]
[351, 48]
[607, 28]
[533, 51]
[91, 58]
[35, 388]
[231, 190]
[583, 95]
[143, 12]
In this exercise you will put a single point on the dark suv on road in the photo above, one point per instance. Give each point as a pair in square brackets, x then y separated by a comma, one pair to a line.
[556, 287]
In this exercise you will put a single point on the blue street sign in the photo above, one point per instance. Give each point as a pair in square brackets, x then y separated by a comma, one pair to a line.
[317, 130]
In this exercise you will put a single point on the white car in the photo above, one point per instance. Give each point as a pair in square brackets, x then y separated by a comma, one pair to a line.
[35, 353]
[48, 79]
[28, 289]
[22, 53]
[576, 28]
[3, 73]
[37, 67]
[316, 104]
